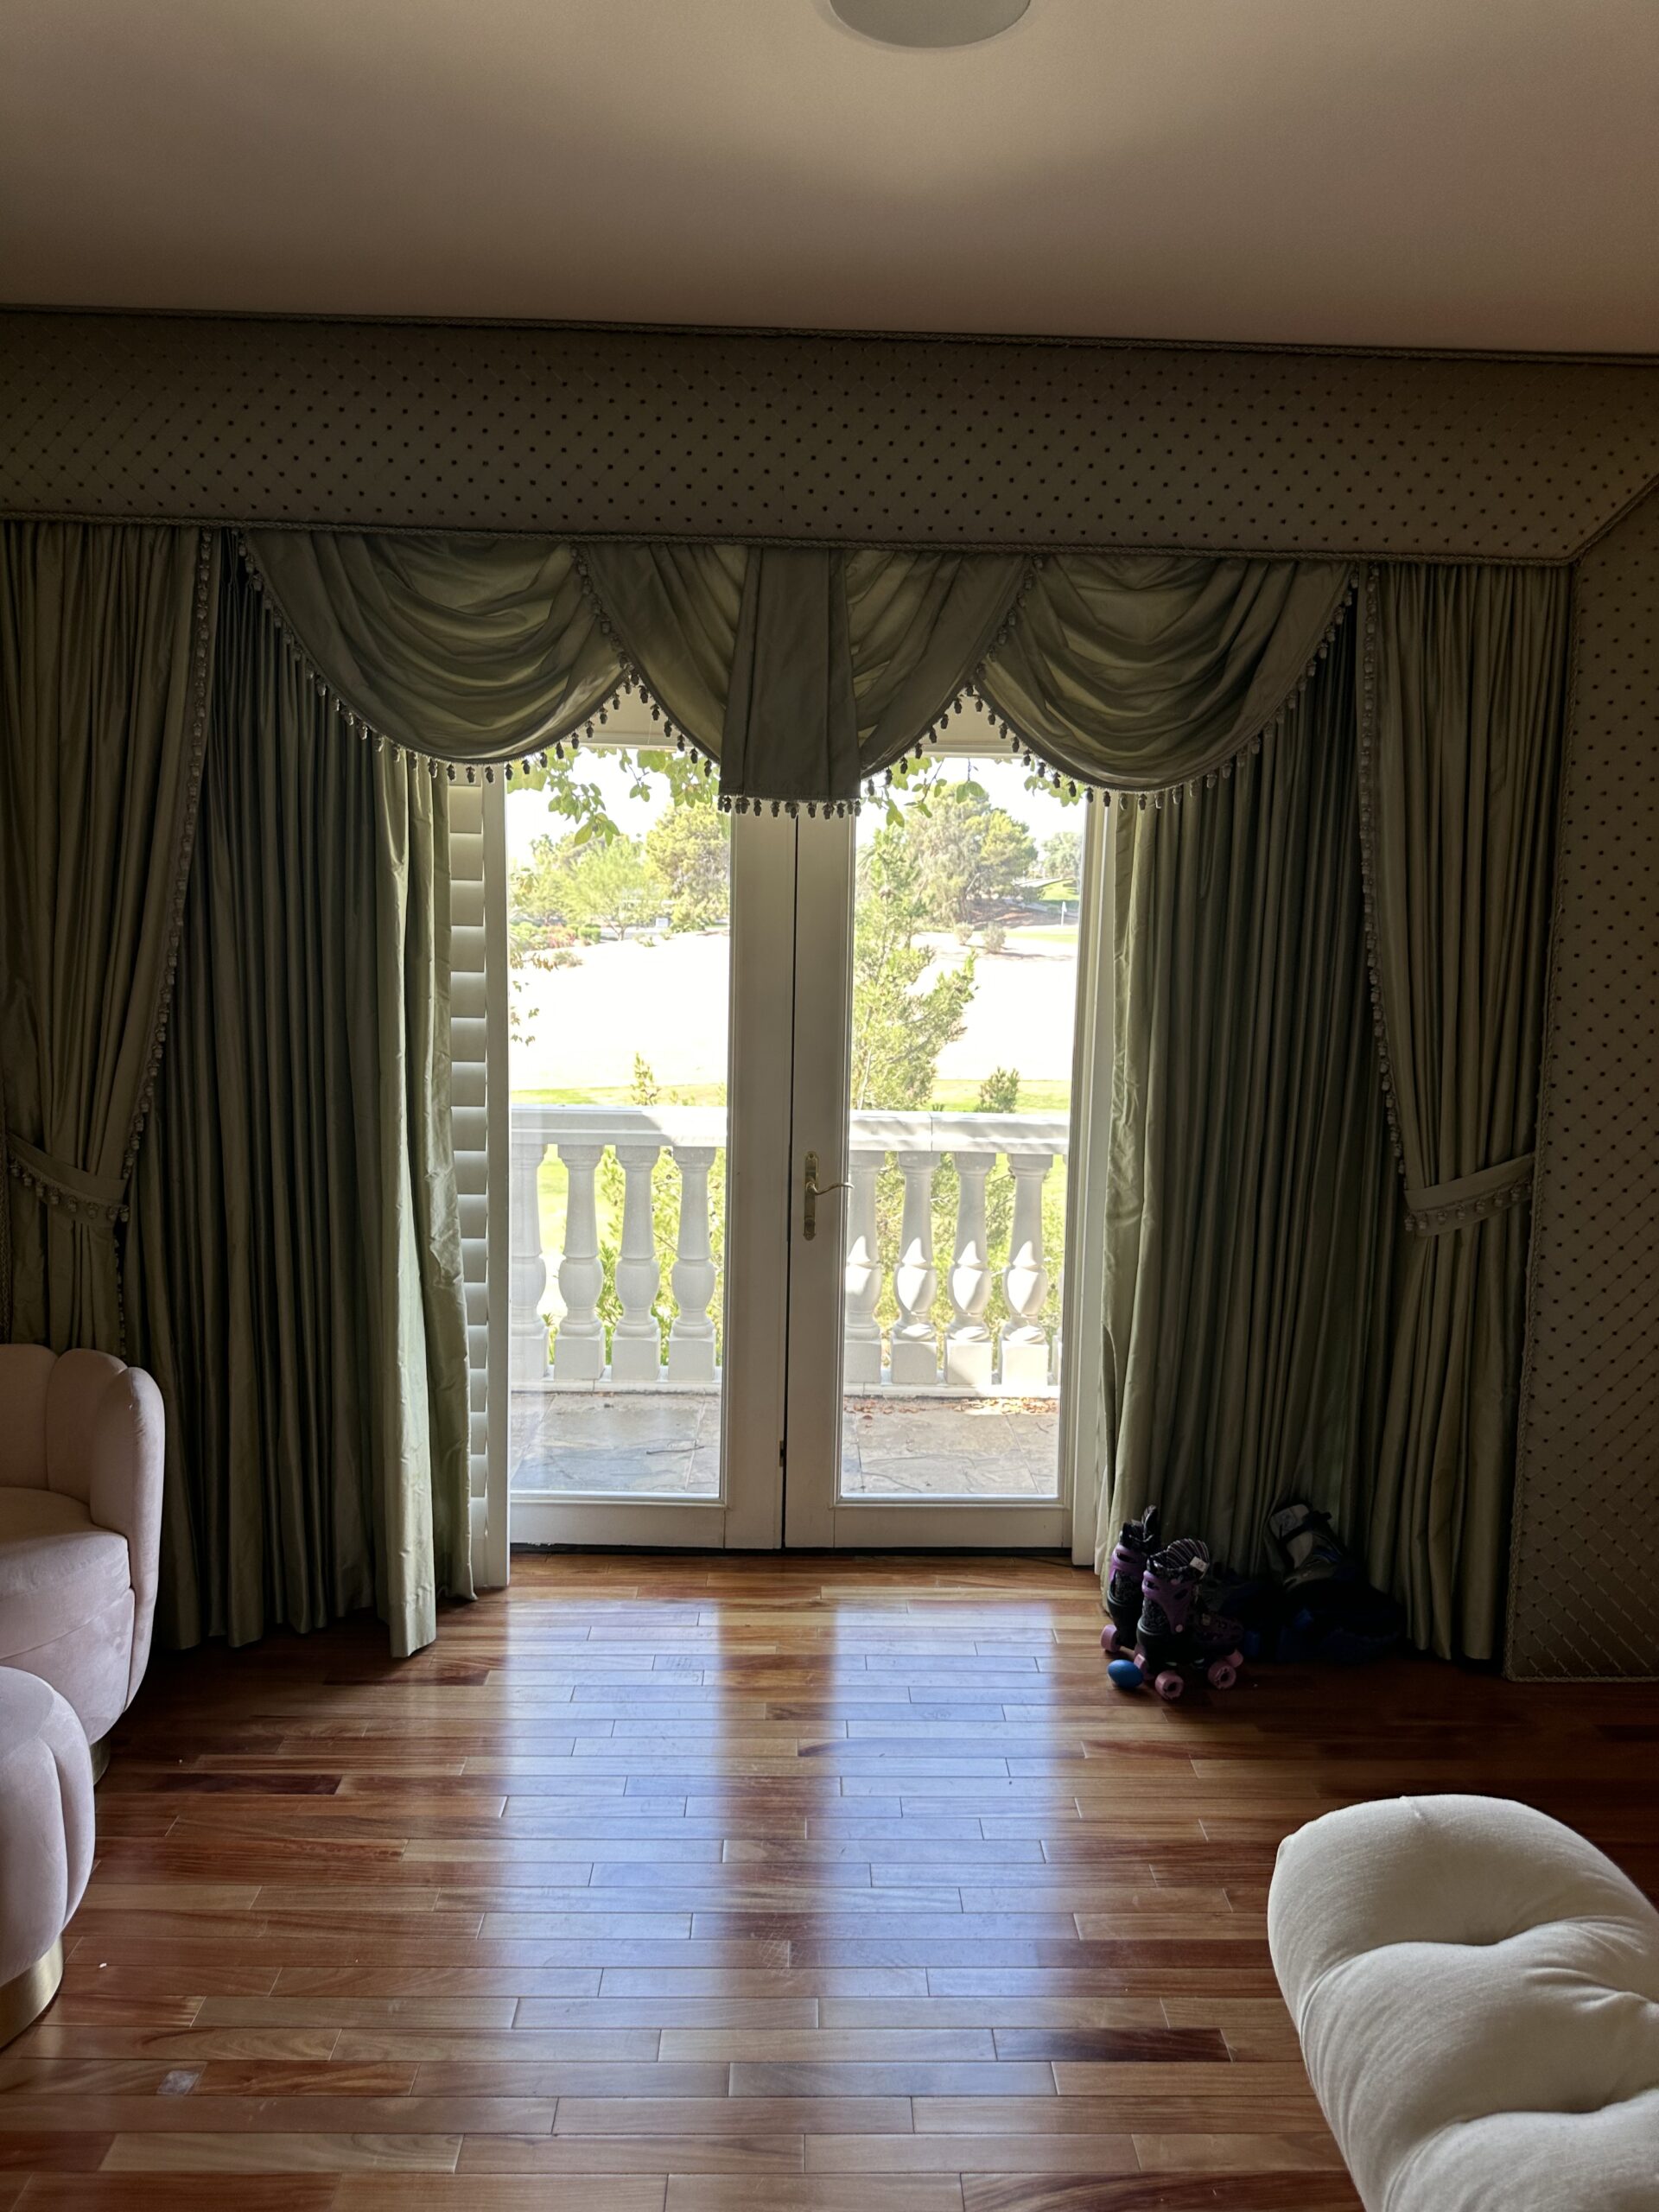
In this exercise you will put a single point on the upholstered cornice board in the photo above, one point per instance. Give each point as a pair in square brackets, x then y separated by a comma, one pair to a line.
[972, 442]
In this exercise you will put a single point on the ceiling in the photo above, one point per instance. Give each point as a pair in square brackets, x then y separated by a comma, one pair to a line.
[1396, 172]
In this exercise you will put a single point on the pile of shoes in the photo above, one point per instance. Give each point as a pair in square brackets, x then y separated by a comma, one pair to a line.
[1177, 1617]
[1166, 1628]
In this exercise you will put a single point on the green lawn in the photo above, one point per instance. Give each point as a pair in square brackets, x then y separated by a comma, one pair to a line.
[962, 1096]
[1044, 933]
[684, 1094]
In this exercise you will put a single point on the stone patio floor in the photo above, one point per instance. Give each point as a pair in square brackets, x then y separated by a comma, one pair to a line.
[650, 1443]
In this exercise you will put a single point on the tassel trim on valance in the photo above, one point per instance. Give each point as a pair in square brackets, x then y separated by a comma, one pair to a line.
[1065, 779]
[1036, 752]
[566, 745]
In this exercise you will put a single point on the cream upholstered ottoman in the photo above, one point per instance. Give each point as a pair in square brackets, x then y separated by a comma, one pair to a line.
[46, 1841]
[1477, 1991]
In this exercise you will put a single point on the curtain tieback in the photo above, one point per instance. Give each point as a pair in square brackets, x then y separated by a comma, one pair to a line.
[1432, 1208]
[100, 1198]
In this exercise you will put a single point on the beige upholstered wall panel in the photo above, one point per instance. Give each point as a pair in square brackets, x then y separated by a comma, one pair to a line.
[1583, 1595]
[910, 441]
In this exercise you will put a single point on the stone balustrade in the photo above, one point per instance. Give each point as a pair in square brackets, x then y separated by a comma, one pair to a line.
[565, 1287]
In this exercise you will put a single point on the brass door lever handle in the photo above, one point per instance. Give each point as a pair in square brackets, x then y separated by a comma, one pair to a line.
[811, 1191]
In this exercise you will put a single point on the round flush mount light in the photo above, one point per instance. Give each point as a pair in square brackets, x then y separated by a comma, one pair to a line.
[929, 22]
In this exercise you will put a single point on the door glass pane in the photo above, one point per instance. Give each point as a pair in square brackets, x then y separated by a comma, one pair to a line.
[964, 993]
[618, 918]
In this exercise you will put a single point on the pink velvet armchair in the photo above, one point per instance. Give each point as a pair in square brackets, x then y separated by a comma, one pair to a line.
[81, 1520]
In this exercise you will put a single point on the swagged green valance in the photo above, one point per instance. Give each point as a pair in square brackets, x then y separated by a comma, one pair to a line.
[803, 673]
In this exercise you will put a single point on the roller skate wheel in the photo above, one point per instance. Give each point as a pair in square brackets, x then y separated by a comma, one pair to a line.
[1169, 1686]
[1124, 1674]
[1108, 1638]
[1223, 1673]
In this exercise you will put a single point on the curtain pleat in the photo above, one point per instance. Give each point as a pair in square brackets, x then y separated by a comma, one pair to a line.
[1463, 698]
[295, 1273]
[1251, 1211]
[104, 639]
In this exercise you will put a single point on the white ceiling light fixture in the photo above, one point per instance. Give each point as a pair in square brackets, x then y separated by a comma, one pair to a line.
[929, 22]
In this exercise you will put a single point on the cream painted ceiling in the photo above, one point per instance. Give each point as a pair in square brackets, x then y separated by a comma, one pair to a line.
[1398, 172]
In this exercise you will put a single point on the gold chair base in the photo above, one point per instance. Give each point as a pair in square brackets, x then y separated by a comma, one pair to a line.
[26, 1995]
[100, 1751]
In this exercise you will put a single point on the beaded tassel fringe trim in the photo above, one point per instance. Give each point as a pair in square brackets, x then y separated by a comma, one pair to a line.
[973, 690]
[1076, 784]
[630, 685]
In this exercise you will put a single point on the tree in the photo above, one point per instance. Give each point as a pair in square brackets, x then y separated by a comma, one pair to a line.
[971, 855]
[607, 882]
[1063, 858]
[898, 1031]
[689, 847]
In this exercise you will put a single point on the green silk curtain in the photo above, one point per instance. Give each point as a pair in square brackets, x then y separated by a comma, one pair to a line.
[295, 1267]
[1463, 703]
[105, 639]
[1250, 1214]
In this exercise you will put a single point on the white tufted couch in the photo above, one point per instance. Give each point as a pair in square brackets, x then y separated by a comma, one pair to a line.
[1477, 1991]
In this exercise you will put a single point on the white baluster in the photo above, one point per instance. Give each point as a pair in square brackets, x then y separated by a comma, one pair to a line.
[1025, 1280]
[691, 1333]
[861, 1342]
[968, 1347]
[636, 1340]
[579, 1345]
[527, 1268]
[916, 1280]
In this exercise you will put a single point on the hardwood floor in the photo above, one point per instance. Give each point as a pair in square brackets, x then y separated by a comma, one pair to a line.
[681, 1885]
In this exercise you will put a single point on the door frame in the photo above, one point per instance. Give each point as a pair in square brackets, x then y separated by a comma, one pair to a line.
[816, 1517]
[790, 979]
[748, 1513]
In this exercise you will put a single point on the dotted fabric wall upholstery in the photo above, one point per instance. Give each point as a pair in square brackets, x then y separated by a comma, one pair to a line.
[977, 444]
[1584, 1597]
[879, 441]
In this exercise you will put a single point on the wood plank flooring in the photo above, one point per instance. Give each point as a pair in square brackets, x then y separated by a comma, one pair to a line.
[681, 1885]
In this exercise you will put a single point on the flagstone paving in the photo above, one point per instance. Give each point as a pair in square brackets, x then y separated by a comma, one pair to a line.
[645, 1443]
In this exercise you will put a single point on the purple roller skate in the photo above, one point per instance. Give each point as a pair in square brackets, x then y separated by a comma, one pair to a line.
[1163, 1640]
[1135, 1545]
[1217, 1639]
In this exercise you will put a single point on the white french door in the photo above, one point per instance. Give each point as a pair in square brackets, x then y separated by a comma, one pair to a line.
[749, 1309]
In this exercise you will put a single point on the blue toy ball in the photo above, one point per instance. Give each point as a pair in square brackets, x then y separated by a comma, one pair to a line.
[1126, 1675]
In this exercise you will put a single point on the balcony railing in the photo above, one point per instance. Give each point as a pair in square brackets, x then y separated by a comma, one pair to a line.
[907, 1351]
